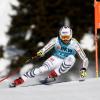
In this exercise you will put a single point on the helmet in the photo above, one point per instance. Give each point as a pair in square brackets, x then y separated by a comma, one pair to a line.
[65, 33]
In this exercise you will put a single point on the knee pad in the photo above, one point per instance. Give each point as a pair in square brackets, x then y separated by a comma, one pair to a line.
[67, 64]
[70, 60]
[41, 70]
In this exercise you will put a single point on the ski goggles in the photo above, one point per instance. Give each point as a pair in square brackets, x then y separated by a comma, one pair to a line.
[65, 37]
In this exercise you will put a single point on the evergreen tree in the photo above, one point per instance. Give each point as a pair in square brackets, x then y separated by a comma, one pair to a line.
[48, 16]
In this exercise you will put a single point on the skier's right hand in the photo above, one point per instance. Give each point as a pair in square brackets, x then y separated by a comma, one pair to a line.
[40, 53]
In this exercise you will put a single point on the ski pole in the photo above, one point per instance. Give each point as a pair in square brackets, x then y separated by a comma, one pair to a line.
[17, 69]
[13, 73]
[32, 58]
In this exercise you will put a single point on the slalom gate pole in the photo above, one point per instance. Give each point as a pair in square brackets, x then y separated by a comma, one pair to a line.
[17, 69]
[96, 54]
[97, 26]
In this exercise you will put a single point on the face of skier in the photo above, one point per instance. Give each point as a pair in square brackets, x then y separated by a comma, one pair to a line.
[65, 39]
[65, 34]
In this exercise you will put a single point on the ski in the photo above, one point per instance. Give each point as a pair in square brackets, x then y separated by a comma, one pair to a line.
[48, 84]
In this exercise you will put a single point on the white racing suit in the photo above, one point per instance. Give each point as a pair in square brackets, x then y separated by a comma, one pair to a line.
[61, 61]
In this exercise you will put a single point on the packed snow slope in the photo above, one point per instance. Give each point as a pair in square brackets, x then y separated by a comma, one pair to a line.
[74, 90]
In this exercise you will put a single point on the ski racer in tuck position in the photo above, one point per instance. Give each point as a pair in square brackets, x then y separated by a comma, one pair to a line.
[61, 61]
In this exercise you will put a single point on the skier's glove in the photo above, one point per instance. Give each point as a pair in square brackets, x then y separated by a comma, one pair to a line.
[83, 72]
[40, 53]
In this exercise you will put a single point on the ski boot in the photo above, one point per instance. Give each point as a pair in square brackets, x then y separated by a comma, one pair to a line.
[51, 78]
[47, 81]
[16, 82]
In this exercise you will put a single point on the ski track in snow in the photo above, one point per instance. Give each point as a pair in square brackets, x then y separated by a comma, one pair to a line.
[74, 90]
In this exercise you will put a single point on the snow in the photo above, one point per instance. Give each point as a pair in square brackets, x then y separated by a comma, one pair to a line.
[88, 90]
[4, 64]
[66, 22]
[28, 35]
[40, 44]
[74, 90]
[12, 52]
[88, 39]
[5, 20]
[29, 32]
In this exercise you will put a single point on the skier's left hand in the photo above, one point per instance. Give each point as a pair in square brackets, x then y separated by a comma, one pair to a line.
[83, 72]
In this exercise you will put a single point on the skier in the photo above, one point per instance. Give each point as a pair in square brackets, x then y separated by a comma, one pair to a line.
[62, 60]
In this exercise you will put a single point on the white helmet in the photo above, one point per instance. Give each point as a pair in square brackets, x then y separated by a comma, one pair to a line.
[65, 33]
